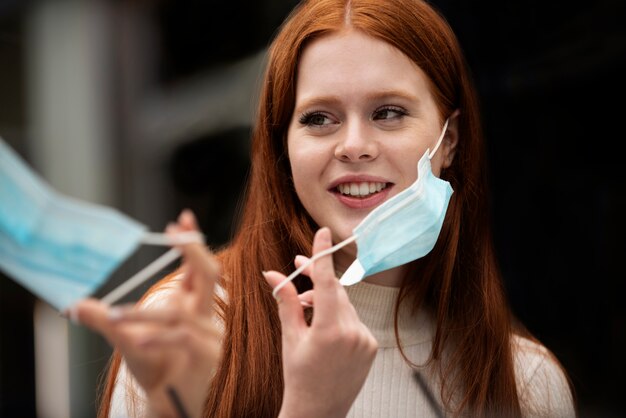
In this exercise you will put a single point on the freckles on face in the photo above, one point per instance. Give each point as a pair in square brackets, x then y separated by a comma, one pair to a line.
[364, 115]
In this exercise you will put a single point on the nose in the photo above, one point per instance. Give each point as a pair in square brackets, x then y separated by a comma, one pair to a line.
[355, 145]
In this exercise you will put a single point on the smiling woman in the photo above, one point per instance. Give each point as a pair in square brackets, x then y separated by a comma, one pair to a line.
[364, 116]
[360, 99]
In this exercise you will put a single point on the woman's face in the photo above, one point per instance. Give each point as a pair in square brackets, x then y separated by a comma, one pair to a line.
[364, 115]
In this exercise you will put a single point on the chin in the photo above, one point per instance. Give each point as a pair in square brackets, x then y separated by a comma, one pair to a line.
[341, 233]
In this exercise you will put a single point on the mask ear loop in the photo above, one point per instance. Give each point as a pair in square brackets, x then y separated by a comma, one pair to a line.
[151, 238]
[440, 140]
[311, 261]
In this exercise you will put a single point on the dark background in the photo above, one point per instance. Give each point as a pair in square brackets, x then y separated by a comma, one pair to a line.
[550, 78]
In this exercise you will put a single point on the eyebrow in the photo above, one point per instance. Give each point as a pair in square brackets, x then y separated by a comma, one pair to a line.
[385, 94]
[376, 96]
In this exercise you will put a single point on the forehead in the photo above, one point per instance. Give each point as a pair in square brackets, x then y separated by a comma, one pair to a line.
[352, 63]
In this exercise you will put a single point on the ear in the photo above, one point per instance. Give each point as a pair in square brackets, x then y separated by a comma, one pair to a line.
[451, 139]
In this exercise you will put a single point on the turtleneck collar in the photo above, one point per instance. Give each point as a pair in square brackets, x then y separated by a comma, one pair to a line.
[376, 306]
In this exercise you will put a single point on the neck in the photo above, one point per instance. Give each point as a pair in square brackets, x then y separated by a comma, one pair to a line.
[390, 278]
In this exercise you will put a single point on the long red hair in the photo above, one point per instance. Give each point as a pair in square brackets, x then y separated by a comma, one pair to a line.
[459, 281]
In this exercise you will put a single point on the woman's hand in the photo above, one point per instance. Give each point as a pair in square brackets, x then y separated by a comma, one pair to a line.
[324, 364]
[175, 346]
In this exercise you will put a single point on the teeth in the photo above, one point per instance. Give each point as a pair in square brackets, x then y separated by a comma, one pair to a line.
[361, 189]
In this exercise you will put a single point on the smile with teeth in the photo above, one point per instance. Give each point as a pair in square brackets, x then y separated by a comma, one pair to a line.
[361, 189]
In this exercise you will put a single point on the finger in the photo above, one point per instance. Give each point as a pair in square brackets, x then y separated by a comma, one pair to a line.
[347, 309]
[160, 316]
[164, 318]
[325, 283]
[94, 315]
[289, 308]
[200, 268]
[197, 344]
[203, 272]
[301, 260]
[322, 268]
[306, 298]
[187, 221]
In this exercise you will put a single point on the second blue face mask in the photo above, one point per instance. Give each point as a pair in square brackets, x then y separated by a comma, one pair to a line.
[402, 229]
[62, 249]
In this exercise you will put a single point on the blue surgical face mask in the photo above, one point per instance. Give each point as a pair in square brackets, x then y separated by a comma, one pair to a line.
[59, 248]
[402, 229]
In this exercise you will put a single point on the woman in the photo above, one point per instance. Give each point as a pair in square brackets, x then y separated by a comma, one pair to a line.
[355, 94]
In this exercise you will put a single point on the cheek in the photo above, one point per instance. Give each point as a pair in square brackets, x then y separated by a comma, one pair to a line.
[301, 170]
[308, 167]
[297, 173]
[405, 157]
[296, 163]
[303, 184]
[308, 160]
[304, 174]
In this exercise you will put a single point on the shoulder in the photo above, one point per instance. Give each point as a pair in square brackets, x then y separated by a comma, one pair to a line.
[542, 385]
[128, 399]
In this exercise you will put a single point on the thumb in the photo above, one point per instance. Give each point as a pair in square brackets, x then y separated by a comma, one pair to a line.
[94, 315]
[289, 307]
[202, 273]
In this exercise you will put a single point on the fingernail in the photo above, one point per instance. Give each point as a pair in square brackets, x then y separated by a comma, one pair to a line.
[306, 304]
[115, 314]
[72, 314]
[186, 216]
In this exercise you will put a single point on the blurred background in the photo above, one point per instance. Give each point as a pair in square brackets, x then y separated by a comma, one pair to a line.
[146, 106]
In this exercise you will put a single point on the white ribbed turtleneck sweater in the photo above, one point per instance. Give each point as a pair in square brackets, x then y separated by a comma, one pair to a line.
[391, 389]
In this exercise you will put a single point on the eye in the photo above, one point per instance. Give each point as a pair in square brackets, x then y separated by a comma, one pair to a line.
[389, 113]
[316, 119]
